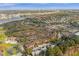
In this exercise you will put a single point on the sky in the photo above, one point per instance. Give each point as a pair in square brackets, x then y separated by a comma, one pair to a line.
[25, 6]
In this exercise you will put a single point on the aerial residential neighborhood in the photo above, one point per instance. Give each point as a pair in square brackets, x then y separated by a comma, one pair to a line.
[40, 32]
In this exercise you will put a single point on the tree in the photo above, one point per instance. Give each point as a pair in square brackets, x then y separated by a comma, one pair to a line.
[28, 51]
[2, 36]
[23, 40]
[76, 40]
[53, 51]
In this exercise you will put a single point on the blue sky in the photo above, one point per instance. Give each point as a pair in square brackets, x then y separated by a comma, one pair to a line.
[19, 6]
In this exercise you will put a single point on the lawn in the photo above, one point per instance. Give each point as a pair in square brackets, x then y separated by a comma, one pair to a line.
[76, 54]
[4, 47]
[2, 34]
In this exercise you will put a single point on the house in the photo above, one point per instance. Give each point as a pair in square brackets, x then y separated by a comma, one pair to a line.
[12, 40]
[77, 33]
[35, 43]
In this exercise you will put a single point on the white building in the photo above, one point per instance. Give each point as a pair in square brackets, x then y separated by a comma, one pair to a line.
[77, 33]
[43, 47]
[11, 40]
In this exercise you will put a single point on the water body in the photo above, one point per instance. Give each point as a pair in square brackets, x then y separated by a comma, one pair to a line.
[10, 20]
[15, 19]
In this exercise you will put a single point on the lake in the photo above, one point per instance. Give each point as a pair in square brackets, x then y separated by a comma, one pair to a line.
[12, 19]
